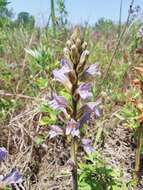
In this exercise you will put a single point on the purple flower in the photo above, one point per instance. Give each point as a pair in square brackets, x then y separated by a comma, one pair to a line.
[58, 102]
[13, 177]
[59, 75]
[87, 146]
[90, 72]
[55, 130]
[66, 67]
[93, 70]
[72, 128]
[83, 90]
[84, 118]
[91, 107]
[3, 153]
[65, 63]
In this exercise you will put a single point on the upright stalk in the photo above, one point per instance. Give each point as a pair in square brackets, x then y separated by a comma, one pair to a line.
[138, 104]
[74, 160]
[53, 17]
[138, 151]
[120, 18]
[73, 142]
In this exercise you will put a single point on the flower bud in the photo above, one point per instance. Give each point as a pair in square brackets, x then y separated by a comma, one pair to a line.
[69, 44]
[67, 53]
[78, 44]
[74, 54]
[83, 59]
[73, 48]
[76, 34]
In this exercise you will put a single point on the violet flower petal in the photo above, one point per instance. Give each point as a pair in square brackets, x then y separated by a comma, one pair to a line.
[59, 75]
[58, 102]
[68, 129]
[89, 149]
[55, 130]
[66, 66]
[84, 118]
[93, 70]
[87, 146]
[63, 62]
[13, 177]
[83, 90]
[90, 73]
[3, 153]
[75, 132]
[92, 107]
[72, 128]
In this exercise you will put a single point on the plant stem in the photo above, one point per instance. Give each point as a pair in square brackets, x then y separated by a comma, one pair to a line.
[74, 170]
[138, 151]
[120, 19]
[73, 142]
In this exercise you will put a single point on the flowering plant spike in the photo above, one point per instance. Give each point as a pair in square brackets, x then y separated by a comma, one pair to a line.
[76, 77]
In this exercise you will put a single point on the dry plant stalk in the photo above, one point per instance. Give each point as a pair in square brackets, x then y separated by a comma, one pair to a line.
[139, 105]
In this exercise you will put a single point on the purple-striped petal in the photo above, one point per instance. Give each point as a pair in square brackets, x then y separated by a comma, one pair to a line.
[92, 107]
[90, 73]
[66, 64]
[58, 102]
[13, 177]
[72, 128]
[87, 146]
[3, 153]
[84, 119]
[83, 90]
[93, 70]
[75, 132]
[59, 75]
[55, 130]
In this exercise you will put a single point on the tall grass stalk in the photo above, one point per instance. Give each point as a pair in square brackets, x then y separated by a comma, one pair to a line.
[120, 18]
[53, 17]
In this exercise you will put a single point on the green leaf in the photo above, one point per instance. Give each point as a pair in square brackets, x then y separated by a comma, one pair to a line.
[42, 82]
[44, 120]
[39, 140]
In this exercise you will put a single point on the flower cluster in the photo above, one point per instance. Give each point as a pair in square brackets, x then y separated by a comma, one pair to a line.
[76, 76]
[13, 177]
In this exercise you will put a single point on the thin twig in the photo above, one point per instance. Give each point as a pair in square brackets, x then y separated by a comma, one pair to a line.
[20, 96]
